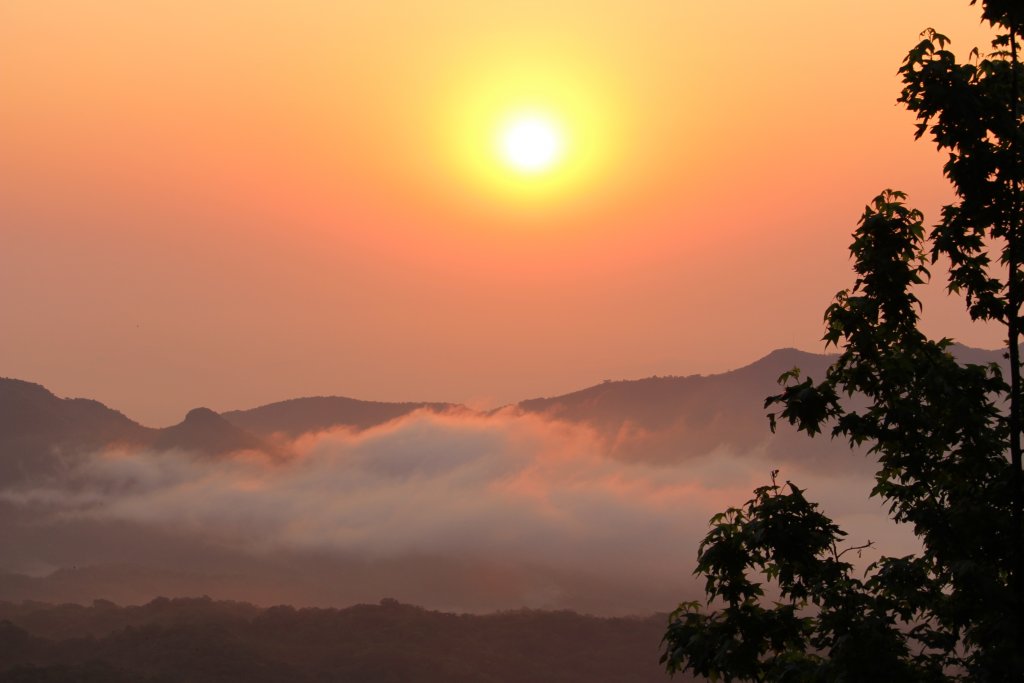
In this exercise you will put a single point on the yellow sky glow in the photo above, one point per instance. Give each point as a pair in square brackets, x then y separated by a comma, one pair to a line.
[490, 103]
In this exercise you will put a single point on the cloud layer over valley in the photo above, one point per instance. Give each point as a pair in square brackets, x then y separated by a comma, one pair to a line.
[447, 508]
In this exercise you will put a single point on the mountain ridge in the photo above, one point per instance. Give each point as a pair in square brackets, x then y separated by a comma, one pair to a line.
[75, 518]
[42, 433]
[203, 640]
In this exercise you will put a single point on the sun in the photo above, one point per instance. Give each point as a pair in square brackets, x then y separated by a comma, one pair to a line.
[531, 143]
[527, 135]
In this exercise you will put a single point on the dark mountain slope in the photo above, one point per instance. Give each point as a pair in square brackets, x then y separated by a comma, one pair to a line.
[658, 418]
[202, 640]
[29, 411]
[659, 402]
[301, 415]
[41, 434]
[204, 431]
[664, 418]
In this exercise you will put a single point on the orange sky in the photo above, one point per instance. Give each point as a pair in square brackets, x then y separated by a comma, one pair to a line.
[238, 202]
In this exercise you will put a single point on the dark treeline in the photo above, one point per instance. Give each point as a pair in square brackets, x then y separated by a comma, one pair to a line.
[202, 640]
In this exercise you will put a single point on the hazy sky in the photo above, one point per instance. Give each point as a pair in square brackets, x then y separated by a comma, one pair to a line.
[229, 203]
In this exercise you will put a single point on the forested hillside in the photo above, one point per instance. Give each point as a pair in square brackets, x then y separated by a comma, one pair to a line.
[206, 641]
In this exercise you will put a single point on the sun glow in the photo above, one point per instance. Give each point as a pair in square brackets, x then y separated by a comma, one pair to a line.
[531, 143]
[531, 134]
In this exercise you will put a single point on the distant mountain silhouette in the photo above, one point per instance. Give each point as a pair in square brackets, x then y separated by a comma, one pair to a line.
[702, 411]
[302, 415]
[458, 583]
[41, 434]
[206, 641]
[29, 411]
[659, 402]
[665, 419]
[671, 418]
[204, 431]
[657, 418]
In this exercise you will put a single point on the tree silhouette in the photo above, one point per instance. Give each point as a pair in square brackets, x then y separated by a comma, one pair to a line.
[946, 436]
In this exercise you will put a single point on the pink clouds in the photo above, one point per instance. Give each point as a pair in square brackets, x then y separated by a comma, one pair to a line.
[502, 491]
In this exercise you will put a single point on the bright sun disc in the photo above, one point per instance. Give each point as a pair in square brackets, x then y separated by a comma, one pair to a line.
[532, 136]
[531, 144]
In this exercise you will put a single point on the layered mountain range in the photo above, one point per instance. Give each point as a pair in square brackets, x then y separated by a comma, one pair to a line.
[592, 500]
[39, 431]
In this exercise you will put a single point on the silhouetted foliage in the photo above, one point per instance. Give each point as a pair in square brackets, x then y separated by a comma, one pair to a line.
[946, 436]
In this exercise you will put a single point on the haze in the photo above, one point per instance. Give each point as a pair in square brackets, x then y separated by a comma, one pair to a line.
[592, 501]
[233, 203]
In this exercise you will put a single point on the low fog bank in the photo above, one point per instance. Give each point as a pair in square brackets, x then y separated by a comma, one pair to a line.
[450, 510]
